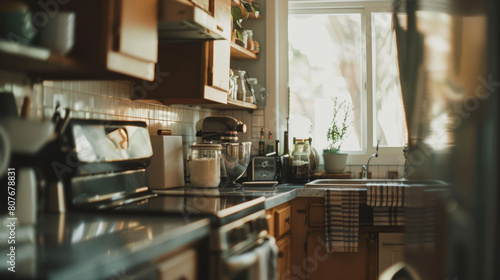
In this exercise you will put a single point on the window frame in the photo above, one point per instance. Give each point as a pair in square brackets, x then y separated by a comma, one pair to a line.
[387, 155]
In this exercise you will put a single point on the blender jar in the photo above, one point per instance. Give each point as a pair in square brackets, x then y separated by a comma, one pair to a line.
[205, 165]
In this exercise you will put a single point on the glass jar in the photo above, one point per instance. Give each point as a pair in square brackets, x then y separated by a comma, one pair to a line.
[205, 165]
[300, 166]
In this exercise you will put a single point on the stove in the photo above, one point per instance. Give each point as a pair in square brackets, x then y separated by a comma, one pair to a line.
[107, 174]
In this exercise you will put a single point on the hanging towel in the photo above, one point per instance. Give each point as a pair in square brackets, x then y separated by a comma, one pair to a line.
[342, 220]
[386, 195]
[389, 216]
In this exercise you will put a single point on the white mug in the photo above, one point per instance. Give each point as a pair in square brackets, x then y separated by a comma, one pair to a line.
[58, 34]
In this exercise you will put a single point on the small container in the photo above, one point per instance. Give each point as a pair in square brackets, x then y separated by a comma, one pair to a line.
[250, 44]
[301, 165]
[205, 165]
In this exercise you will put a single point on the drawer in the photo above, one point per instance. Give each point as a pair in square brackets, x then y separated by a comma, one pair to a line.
[282, 220]
[181, 266]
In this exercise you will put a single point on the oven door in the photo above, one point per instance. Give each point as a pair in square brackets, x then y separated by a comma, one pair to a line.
[258, 262]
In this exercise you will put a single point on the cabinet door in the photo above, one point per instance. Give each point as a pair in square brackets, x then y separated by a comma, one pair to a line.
[391, 250]
[222, 17]
[283, 220]
[219, 64]
[138, 29]
[181, 266]
[135, 38]
[342, 266]
[284, 258]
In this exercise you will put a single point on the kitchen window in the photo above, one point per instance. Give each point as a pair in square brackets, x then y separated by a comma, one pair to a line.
[345, 51]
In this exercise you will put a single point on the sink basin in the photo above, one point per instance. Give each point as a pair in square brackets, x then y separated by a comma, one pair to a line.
[361, 183]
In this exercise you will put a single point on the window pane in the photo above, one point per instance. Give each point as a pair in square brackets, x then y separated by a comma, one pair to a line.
[325, 62]
[389, 120]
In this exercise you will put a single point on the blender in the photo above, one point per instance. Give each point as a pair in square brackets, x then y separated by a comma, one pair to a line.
[223, 131]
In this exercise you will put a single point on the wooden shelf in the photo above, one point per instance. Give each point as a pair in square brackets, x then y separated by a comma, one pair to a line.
[239, 52]
[241, 104]
[34, 60]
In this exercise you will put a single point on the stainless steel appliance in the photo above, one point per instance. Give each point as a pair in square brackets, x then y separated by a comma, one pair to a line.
[264, 168]
[107, 174]
[448, 58]
[236, 155]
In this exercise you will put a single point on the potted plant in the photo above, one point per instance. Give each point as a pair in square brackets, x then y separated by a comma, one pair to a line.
[339, 129]
[239, 14]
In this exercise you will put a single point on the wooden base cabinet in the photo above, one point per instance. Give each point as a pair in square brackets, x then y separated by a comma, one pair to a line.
[279, 224]
[284, 257]
[342, 266]
[310, 259]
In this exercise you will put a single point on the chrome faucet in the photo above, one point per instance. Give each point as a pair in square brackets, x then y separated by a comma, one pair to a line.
[364, 169]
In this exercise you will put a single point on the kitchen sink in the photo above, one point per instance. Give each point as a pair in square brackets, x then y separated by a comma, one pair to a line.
[361, 183]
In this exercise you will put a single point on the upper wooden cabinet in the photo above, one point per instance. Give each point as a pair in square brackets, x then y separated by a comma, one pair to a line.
[114, 39]
[194, 20]
[195, 73]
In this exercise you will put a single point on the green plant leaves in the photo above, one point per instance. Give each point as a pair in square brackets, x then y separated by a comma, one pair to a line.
[236, 13]
[339, 127]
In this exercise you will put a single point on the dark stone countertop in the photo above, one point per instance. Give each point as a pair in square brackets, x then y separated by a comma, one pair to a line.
[90, 246]
[106, 246]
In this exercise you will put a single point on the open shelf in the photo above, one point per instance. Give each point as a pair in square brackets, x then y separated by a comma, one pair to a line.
[239, 52]
[34, 60]
[231, 105]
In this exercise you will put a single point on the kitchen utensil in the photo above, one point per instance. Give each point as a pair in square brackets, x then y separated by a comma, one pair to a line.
[164, 132]
[25, 109]
[8, 106]
[205, 165]
[166, 169]
[59, 32]
[236, 158]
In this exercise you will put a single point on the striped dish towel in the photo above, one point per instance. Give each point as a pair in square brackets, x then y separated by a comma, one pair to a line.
[342, 220]
[389, 216]
[386, 195]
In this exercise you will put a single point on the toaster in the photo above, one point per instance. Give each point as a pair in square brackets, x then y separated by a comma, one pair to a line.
[264, 168]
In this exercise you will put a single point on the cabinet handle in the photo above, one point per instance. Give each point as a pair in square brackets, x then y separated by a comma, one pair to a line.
[281, 254]
[287, 220]
[220, 28]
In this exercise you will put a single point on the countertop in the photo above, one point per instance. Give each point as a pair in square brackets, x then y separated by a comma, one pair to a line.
[91, 246]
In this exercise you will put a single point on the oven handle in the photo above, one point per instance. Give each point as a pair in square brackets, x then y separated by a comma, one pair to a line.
[236, 264]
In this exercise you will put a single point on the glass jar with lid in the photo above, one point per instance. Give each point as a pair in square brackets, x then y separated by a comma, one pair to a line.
[300, 155]
[205, 165]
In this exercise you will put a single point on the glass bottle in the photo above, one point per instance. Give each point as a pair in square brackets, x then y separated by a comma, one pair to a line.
[270, 143]
[262, 151]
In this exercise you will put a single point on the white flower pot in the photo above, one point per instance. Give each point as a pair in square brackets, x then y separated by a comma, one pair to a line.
[334, 162]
